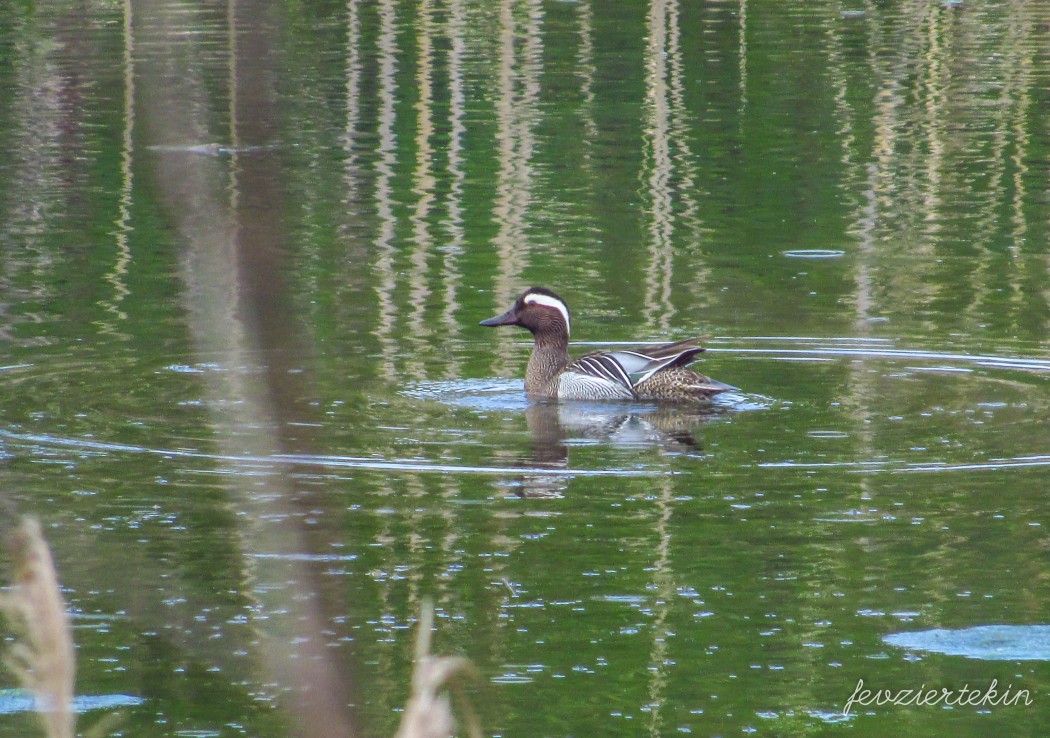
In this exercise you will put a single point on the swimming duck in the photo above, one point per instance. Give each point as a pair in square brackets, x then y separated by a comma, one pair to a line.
[658, 373]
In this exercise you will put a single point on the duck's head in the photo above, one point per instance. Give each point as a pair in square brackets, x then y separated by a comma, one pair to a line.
[539, 310]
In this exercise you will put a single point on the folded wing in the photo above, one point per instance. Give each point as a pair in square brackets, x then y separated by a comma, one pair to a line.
[619, 372]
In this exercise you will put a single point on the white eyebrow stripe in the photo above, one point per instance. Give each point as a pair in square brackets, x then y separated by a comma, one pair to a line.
[553, 302]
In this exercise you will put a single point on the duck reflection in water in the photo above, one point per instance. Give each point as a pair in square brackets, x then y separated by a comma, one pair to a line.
[556, 426]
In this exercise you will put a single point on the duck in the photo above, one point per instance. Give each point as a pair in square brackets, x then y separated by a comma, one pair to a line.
[655, 374]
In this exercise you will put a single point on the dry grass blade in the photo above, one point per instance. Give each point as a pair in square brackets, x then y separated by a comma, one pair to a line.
[42, 658]
[428, 713]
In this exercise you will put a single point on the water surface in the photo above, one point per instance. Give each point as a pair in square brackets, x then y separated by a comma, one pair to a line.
[245, 248]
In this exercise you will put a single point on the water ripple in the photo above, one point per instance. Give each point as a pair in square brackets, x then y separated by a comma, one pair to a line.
[323, 461]
[870, 352]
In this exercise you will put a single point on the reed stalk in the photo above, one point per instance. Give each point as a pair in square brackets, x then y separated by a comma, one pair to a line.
[42, 656]
[428, 713]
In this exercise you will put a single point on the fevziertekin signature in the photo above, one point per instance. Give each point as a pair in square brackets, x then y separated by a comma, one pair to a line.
[923, 696]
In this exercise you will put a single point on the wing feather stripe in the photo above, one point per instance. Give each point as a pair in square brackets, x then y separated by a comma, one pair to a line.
[589, 366]
[618, 369]
[601, 368]
[604, 367]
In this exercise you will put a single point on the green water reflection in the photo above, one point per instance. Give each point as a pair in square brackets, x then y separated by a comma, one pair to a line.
[244, 251]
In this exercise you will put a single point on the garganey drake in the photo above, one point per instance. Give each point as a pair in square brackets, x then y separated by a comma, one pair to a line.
[658, 373]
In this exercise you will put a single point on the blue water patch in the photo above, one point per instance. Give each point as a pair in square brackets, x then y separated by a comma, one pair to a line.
[20, 700]
[985, 642]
